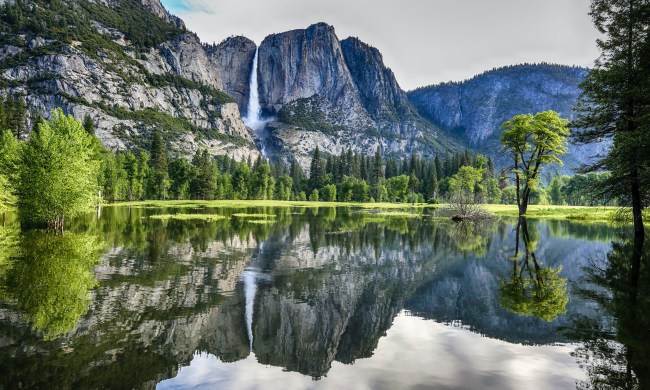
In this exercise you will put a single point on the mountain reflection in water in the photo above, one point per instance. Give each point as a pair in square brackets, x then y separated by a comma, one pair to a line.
[184, 303]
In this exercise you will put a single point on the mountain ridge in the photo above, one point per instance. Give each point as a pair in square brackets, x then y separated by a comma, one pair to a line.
[134, 77]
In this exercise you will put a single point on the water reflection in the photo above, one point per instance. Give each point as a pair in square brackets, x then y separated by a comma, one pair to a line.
[315, 289]
[51, 278]
[616, 347]
[533, 289]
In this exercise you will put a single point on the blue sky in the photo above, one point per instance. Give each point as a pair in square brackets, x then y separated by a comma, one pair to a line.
[423, 41]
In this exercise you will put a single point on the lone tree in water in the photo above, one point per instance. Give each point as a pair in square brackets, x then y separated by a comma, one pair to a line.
[533, 141]
[58, 170]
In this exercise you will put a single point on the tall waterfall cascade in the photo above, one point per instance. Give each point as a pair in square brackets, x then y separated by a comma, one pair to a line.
[253, 118]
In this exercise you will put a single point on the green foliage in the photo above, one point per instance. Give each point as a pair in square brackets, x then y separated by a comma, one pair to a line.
[52, 281]
[533, 141]
[135, 20]
[9, 158]
[397, 188]
[542, 296]
[328, 193]
[533, 290]
[58, 172]
[203, 176]
[314, 197]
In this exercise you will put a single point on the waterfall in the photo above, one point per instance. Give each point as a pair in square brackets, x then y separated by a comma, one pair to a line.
[250, 289]
[253, 117]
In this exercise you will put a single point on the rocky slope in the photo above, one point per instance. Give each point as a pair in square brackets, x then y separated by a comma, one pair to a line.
[473, 111]
[337, 95]
[131, 76]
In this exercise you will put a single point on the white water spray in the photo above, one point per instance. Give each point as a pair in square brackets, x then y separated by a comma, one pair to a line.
[250, 289]
[253, 117]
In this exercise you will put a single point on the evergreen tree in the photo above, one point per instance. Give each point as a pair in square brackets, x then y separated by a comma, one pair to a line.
[316, 171]
[159, 180]
[614, 104]
[89, 125]
[204, 182]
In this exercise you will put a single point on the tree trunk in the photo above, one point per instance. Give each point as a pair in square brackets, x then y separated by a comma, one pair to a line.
[639, 232]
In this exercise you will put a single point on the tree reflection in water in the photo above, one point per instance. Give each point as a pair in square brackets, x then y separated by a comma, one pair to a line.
[51, 279]
[615, 350]
[533, 290]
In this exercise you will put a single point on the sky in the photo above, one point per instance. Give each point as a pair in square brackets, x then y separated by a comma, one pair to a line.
[423, 41]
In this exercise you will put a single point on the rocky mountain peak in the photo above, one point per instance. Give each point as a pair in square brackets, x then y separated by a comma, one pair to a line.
[159, 10]
[300, 64]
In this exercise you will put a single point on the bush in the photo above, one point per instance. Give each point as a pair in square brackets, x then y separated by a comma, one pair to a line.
[313, 197]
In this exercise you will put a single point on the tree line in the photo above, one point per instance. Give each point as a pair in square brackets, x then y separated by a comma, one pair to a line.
[62, 169]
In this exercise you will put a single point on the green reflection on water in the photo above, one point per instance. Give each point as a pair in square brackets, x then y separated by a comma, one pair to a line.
[51, 278]
[329, 284]
[533, 289]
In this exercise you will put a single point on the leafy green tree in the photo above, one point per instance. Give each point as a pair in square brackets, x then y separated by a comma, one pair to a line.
[329, 193]
[313, 197]
[9, 158]
[241, 181]
[89, 125]
[533, 141]
[555, 191]
[493, 191]
[58, 173]
[137, 172]
[509, 195]
[283, 186]
[261, 180]
[113, 177]
[397, 188]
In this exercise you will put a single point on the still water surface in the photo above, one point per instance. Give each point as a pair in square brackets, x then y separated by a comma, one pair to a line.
[310, 298]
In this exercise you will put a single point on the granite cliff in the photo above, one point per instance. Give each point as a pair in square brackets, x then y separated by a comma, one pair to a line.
[337, 95]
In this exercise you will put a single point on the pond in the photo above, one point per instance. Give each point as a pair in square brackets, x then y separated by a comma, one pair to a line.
[298, 297]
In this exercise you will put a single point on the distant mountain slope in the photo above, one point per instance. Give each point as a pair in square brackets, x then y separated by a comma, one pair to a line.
[473, 111]
[131, 66]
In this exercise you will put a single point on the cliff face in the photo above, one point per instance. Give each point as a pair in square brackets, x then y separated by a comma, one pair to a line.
[337, 95]
[234, 60]
[131, 79]
[474, 110]
[302, 63]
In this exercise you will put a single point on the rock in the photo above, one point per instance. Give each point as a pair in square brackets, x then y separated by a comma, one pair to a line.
[188, 59]
[234, 60]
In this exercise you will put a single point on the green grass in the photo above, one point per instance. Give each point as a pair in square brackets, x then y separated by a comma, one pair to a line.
[579, 213]
[387, 210]
[261, 221]
[189, 217]
[256, 216]
[263, 203]
[395, 214]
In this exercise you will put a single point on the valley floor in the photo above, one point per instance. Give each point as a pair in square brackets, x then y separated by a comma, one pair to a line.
[578, 213]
